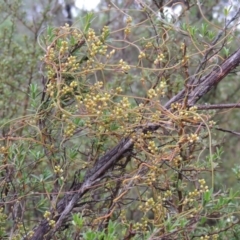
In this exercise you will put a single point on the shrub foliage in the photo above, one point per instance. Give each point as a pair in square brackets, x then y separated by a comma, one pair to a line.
[103, 137]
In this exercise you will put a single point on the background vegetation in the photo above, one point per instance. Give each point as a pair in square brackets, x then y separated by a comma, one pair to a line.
[120, 123]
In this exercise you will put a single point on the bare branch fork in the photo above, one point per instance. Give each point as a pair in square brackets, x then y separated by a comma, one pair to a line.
[104, 163]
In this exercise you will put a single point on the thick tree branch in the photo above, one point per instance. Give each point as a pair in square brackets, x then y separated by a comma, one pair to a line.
[208, 81]
[213, 78]
[213, 43]
[217, 106]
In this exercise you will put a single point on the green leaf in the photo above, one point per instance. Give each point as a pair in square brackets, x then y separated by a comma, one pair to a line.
[87, 23]
[90, 235]
[204, 29]
[226, 51]
[207, 197]
[33, 90]
[50, 33]
[77, 220]
[226, 11]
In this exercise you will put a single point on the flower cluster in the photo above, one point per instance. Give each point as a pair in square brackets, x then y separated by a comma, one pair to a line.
[193, 137]
[124, 66]
[70, 129]
[141, 55]
[197, 192]
[159, 58]
[96, 44]
[127, 30]
[152, 147]
[47, 216]
[58, 169]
